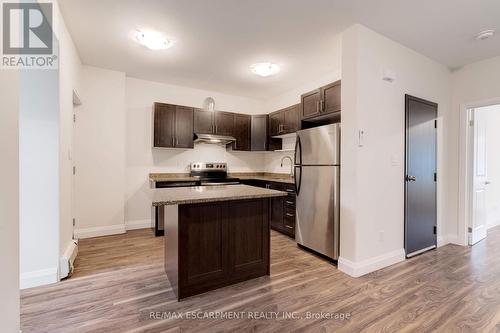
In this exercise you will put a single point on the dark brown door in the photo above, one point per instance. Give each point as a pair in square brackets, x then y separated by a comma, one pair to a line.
[204, 233]
[259, 133]
[164, 118]
[291, 119]
[276, 120]
[248, 233]
[242, 124]
[183, 127]
[310, 103]
[420, 169]
[224, 123]
[203, 122]
[331, 98]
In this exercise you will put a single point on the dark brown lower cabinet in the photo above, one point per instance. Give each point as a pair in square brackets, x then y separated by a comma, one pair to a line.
[281, 209]
[217, 244]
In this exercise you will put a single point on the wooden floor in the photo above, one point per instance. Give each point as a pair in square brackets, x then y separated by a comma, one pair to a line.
[119, 283]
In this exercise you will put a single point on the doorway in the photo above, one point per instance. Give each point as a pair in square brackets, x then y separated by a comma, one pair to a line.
[420, 175]
[484, 171]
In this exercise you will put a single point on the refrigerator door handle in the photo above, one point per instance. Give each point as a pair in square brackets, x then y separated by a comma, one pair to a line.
[298, 151]
[298, 179]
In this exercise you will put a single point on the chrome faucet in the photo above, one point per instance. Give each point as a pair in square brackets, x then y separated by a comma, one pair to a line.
[291, 164]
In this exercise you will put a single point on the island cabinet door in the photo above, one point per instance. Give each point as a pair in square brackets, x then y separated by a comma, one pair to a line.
[248, 231]
[202, 247]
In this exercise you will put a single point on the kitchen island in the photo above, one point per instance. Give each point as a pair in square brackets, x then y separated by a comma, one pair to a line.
[214, 235]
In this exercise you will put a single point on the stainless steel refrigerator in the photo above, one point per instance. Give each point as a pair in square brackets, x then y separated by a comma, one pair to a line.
[317, 186]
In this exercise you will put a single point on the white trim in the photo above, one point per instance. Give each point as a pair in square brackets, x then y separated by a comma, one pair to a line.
[432, 247]
[464, 169]
[138, 224]
[360, 268]
[38, 278]
[100, 231]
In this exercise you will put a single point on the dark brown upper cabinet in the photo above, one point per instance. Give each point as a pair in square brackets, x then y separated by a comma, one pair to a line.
[224, 123]
[310, 104]
[242, 129]
[285, 121]
[259, 133]
[213, 122]
[323, 101]
[173, 126]
[331, 98]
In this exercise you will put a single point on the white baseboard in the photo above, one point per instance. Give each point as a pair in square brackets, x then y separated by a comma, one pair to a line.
[38, 278]
[138, 224]
[447, 239]
[357, 269]
[492, 224]
[100, 231]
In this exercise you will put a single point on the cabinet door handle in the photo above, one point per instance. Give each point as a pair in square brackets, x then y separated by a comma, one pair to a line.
[289, 202]
[321, 105]
[289, 190]
[291, 215]
[317, 106]
[288, 226]
[173, 141]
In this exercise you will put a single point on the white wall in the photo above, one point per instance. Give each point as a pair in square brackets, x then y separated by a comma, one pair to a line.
[142, 159]
[372, 187]
[292, 96]
[9, 202]
[492, 115]
[100, 153]
[476, 83]
[39, 177]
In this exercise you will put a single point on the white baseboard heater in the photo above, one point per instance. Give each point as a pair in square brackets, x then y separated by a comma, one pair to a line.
[67, 260]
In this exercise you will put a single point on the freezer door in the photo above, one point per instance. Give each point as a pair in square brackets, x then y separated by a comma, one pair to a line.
[319, 146]
[318, 210]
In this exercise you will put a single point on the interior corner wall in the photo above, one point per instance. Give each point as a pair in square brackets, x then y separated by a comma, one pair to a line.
[99, 154]
[372, 175]
[9, 202]
[69, 80]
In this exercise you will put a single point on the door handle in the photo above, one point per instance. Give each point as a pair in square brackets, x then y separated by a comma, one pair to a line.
[411, 178]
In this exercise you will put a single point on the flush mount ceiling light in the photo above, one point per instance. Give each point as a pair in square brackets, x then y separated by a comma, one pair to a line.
[153, 40]
[265, 69]
[485, 34]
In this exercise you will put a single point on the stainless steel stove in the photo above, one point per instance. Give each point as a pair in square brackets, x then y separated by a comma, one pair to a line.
[212, 173]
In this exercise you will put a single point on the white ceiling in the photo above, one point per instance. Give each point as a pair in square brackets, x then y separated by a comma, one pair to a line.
[217, 40]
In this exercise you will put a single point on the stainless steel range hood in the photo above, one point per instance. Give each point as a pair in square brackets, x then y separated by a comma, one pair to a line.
[213, 139]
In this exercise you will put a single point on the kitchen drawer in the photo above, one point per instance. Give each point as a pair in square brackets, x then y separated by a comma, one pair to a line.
[290, 200]
[289, 211]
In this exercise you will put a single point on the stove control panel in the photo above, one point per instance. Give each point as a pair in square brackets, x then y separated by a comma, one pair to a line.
[208, 166]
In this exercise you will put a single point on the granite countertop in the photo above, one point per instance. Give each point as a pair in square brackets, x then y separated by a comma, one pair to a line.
[267, 176]
[165, 177]
[199, 194]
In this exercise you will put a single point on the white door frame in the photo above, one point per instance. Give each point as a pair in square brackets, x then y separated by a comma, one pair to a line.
[466, 159]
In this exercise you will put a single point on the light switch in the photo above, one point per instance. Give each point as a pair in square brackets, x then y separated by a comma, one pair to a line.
[361, 138]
